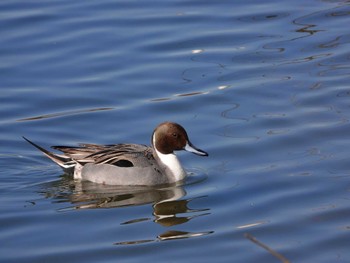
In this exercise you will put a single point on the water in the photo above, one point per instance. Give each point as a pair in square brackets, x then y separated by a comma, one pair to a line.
[262, 86]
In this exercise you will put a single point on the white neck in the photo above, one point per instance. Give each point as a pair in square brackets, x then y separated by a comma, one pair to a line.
[172, 164]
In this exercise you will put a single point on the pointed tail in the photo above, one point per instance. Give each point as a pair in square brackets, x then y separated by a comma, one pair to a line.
[63, 161]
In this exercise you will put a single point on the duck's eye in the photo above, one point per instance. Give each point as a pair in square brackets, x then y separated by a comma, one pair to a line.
[174, 135]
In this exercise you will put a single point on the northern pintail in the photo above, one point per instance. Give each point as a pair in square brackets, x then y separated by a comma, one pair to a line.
[128, 164]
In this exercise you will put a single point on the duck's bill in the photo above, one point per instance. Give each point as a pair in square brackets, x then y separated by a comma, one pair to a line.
[191, 148]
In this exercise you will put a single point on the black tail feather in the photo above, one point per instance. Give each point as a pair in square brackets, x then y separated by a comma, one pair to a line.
[58, 159]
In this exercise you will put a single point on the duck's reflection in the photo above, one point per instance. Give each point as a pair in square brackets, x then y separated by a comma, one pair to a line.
[91, 195]
[168, 235]
[169, 206]
[88, 195]
[166, 212]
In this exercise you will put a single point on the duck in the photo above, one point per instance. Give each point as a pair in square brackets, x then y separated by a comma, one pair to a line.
[128, 164]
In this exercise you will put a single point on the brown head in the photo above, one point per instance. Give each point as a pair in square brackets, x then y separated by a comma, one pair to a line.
[169, 137]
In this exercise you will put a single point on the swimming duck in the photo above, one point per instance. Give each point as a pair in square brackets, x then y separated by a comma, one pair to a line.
[128, 164]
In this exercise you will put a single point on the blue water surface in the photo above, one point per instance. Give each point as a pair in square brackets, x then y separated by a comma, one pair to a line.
[263, 86]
